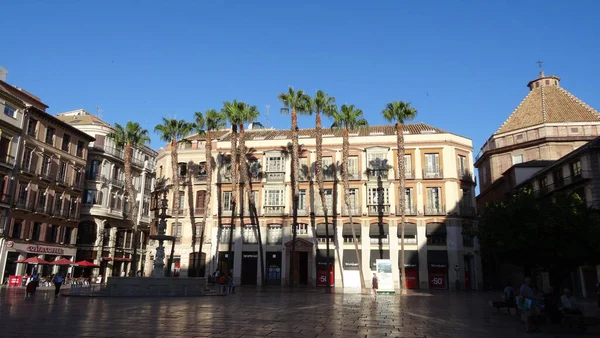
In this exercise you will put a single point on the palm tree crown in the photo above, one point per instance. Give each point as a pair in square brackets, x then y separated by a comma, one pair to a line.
[348, 118]
[296, 100]
[132, 134]
[173, 130]
[211, 120]
[399, 112]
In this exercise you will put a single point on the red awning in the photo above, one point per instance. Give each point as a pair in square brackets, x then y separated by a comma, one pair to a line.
[86, 264]
[122, 259]
[107, 258]
[62, 261]
[33, 260]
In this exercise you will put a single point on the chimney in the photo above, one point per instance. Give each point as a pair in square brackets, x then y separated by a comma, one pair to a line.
[3, 73]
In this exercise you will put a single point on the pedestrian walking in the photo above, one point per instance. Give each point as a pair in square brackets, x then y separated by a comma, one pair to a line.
[231, 284]
[375, 284]
[57, 280]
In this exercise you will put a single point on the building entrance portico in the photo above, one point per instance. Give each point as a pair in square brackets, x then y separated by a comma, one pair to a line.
[303, 262]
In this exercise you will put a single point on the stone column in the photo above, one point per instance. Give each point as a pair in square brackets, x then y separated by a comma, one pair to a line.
[111, 243]
[237, 256]
[338, 270]
[422, 247]
[365, 248]
[285, 254]
[455, 255]
[394, 249]
[262, 255]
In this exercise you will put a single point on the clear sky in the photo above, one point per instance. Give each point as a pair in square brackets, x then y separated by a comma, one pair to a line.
[463, 64]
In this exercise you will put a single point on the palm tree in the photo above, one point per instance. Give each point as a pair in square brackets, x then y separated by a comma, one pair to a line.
[129, 137]
[174, 132]
[297, 101]
[322, 104]
[205, 125]
[349, 119]
[399, 112]
[249, 114]
[233, 113]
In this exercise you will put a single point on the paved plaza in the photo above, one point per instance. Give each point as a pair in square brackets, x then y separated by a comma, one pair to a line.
[265, 313]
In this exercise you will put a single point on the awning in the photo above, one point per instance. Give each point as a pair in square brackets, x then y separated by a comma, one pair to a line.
[321, 230]
[62, 261]
[33, 260]
[437, 258]
[410, 229]
[107, 258]
[411, 258]
[86, 264]
[322, 258]
[378, 254]
[347, 230]
[350, 262]
[379, 230]
[436, 229]
[122, 259]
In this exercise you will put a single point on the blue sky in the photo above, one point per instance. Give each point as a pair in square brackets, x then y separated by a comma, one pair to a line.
[463, 64]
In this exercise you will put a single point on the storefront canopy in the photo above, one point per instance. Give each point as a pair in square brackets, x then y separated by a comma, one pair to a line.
[322, 231]
[436, 229]
[379, 230]
[33, 260]
[347, 229]
[350, 262]
[62, 261]
[410, 229]
[378, 254]
[86, 264]
[437, 258]
[411, 258]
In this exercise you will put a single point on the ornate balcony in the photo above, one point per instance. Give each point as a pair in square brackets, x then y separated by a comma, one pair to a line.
[433, 174]
[435, 210]
[274, 210]
[374, 174]
[409, 210]
[275, 176]
[376, 210]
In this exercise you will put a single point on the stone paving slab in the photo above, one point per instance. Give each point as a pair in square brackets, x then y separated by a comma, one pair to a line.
[265, 313]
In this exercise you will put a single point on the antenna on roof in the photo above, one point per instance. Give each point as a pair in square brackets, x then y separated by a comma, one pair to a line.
[99, 112]
[267, 122]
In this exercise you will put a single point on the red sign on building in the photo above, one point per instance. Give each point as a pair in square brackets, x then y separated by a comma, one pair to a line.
[15, 280]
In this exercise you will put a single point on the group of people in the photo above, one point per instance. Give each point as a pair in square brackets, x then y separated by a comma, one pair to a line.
[225, 281]
[33, 282]
[532, 302]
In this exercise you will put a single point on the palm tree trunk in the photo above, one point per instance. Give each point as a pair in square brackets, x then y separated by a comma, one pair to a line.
[234, 184]
[132, 203]
[319, 174]
[209, 174]
[246, 181]
[295, 187]
[345, 155]
[176, 206]
[402, 200]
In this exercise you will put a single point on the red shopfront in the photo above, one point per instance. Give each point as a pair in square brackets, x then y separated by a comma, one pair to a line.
[323, 265]
[411, 268]
[437, 261]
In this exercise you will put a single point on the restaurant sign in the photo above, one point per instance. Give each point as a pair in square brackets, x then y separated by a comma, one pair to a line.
[44, 249]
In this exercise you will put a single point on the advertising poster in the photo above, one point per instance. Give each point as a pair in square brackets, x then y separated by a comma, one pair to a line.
[384, 274]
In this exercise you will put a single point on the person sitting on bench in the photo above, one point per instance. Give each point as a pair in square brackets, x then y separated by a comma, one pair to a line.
[509, 294]
[568, 304]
